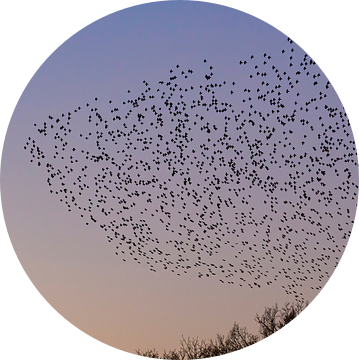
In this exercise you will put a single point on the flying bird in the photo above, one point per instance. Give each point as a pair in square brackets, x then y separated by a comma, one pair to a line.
[247, 190]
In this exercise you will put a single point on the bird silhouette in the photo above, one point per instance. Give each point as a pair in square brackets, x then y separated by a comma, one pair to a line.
[244, 189]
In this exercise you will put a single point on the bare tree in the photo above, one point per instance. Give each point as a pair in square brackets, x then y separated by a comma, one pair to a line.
[191, 348]
[237, 338]
[153, 354]
[274, 318]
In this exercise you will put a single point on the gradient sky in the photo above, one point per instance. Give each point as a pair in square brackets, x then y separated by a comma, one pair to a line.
[75, 271]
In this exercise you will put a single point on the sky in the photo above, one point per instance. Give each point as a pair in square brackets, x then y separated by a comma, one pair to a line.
[221, 178]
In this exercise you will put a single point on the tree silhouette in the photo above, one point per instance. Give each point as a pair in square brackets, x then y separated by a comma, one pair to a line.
[237, 338]
[274, 318]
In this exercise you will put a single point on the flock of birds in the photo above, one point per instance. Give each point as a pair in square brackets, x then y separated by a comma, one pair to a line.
[252, 181]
